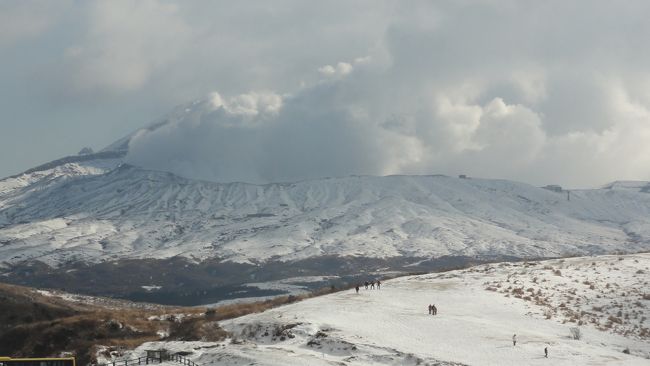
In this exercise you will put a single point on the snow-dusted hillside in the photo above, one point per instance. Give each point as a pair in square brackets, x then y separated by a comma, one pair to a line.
[474, 325]
[57, 173]
[91, 212]
[93, 207]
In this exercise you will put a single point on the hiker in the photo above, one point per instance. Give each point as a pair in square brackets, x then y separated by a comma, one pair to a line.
[545, 352]
[434, 309]
[372, 285]
[514, 340]
[378, 284]
[366, 283]
[430, 309]
[357, 288]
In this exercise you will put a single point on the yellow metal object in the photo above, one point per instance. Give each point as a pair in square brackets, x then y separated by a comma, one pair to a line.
[43, 361]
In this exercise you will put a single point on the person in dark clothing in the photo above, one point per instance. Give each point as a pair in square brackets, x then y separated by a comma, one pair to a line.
[546, 352]
[434, 310]
[514, 340]
[430, 309]
[357, 288]
[372, 285]
[378, 284]
[366, 283]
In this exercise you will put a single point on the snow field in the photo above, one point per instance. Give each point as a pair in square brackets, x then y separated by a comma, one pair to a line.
[610, 293]
[474, 326]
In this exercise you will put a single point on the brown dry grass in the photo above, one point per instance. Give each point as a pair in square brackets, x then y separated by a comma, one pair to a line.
[34, 325]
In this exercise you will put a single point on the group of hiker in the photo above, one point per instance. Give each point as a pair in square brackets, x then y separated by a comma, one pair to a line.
[370, 285]
[514, 344]
[433, 310]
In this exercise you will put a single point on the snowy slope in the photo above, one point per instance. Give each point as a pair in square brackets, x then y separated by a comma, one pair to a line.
[93, 212]
[45, 177]
[474, 325]
[94, 208]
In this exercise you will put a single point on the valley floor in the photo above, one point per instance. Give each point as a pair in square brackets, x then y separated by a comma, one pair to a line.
[479, 310]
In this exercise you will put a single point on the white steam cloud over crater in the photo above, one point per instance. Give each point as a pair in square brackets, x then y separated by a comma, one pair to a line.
[536, 91]
[366, 121]
[484, 88]
[541, 92]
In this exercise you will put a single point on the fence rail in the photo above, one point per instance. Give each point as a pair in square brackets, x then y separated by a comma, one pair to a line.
[182, 359]
[150, 360]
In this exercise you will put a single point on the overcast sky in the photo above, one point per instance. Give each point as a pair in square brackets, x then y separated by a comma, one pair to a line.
[535, 91]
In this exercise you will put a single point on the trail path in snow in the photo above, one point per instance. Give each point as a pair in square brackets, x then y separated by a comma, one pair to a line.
[391, 326]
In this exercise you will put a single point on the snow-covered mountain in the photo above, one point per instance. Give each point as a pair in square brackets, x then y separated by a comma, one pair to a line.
[62, 222]
[100, 209]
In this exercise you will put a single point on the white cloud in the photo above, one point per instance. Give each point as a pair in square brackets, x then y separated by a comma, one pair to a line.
[531, 84]
[341, 68]
[21, 20]
[249, 104]
[509, 133]
[127, 42]
[320, 131]
[486, 88]
[256, 103]
[327, 70]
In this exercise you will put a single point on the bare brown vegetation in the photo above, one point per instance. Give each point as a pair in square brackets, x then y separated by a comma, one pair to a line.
[34, 325]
